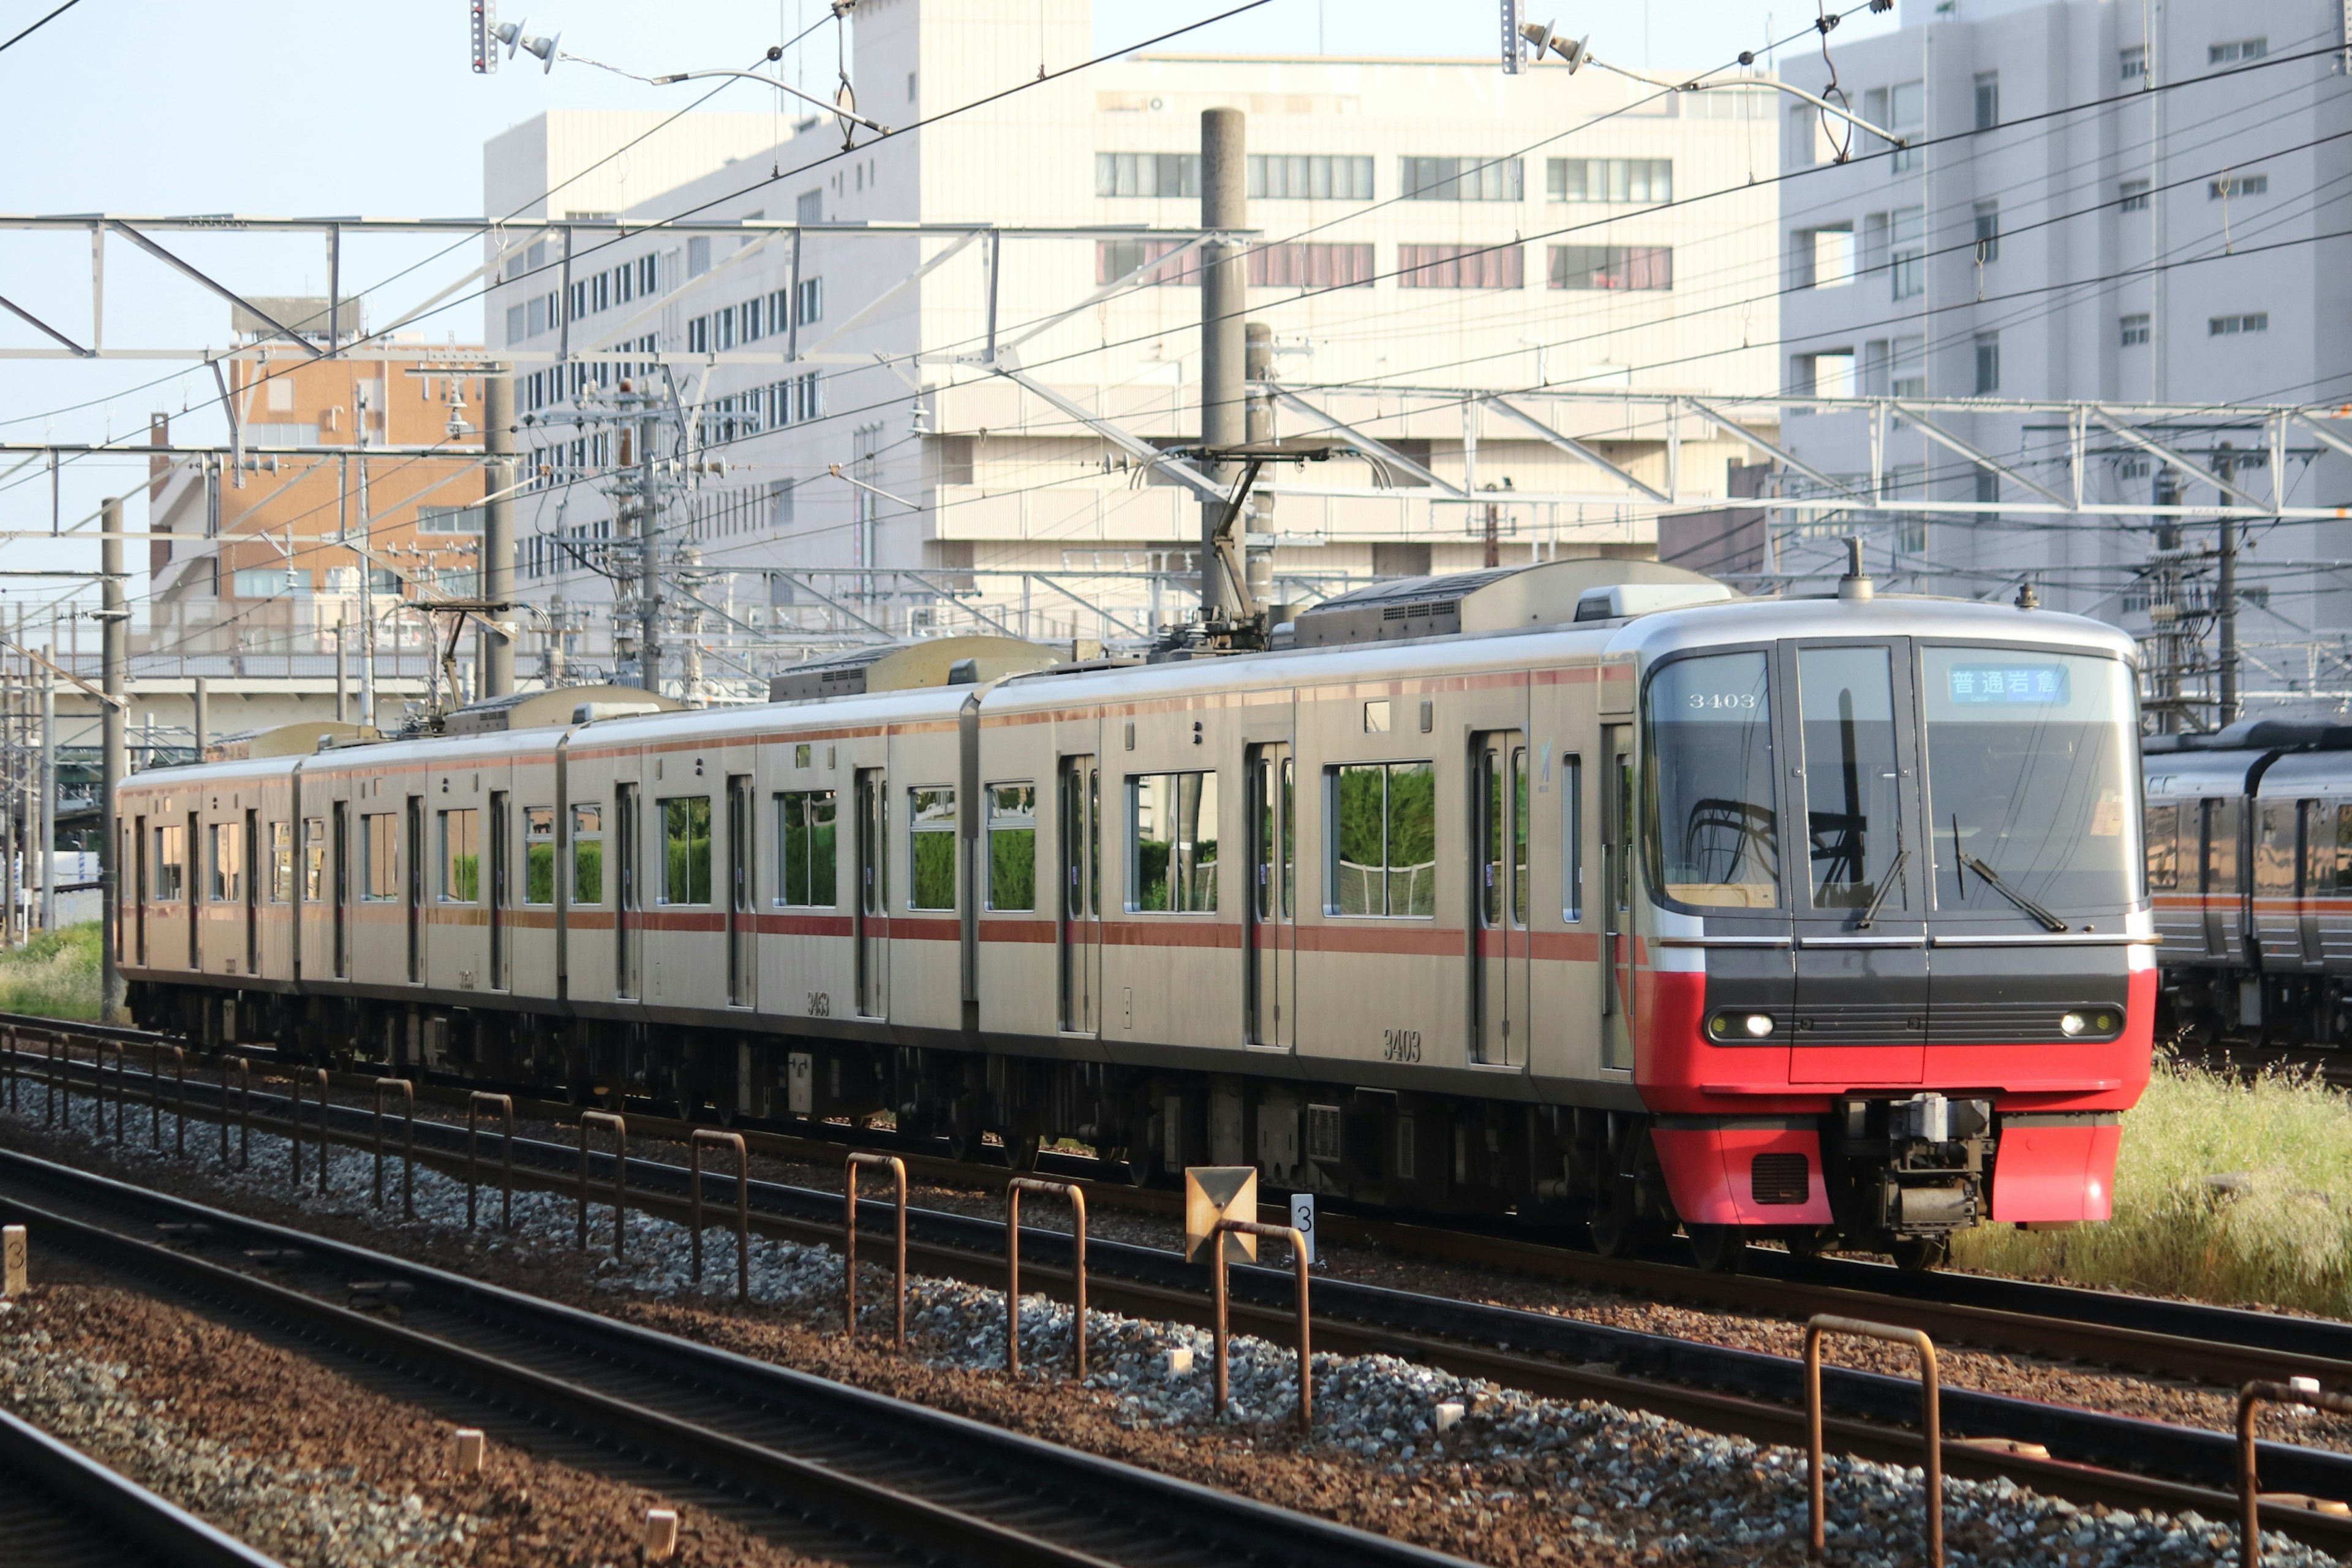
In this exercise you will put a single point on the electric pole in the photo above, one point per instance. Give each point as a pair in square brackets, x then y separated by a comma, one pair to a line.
[114, 635]
[1225, 295]
[494, 644]
[2227, 611]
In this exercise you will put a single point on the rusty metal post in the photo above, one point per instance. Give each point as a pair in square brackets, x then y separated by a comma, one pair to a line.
[1218, 1328]
[2250, 1496]
[244, 1112]
[620, 1177]
[898, 1169]
[505, 1103]
[326, 1148]
[408, 1158]
[734, 1141]
[1931, 1426]
[1013, 1191]
[180, 1101]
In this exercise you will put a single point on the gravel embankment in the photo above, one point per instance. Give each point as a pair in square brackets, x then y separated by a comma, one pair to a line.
[1516, 1479]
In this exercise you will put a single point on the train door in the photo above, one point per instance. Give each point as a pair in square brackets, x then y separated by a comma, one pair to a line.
[628, 944]
[252, 849]
[872, 912]
[1273, 947]
[414, 847]
[743, 927]
[1498, 948]
[1079, 797]
[1860, 921]
[501, 893]
[1617, 898]
[2217, 874]
[340, 854]
[2314, 876]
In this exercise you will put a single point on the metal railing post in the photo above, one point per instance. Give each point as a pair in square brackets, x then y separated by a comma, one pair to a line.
[898, 1169]
[244, 1112]
[155, 1099]
[179, 1101]
[49, 1118]
[408, 1158]
[1218, 1326]
[326, 1149]
[295, 1166]
[694, 1145]
[1930, 1424]
[1013, 1191]
[620, 1177]
[11, 1037]
[505, 1103]
[2250, 1496]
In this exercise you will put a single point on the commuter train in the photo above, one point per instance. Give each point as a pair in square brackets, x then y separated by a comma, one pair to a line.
[2250, 868]
[1590, 891]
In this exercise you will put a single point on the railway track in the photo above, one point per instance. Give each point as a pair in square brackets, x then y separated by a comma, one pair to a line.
[62, 1509]
[841, 1473]
[2086, 1456]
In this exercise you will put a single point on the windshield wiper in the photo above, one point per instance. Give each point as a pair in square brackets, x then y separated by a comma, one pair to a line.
[1885, 886]
[1992, 879]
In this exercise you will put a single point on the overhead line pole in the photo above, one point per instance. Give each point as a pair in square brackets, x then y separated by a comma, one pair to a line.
[114, 631]
[1224, 296]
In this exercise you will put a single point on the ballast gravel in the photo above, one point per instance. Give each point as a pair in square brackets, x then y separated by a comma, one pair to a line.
[1516, 1478]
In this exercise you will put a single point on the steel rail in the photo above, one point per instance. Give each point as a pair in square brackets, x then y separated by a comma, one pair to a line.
[63, 1510]
[805, 1445]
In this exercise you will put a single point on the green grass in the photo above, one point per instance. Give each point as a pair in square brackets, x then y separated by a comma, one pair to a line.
[56, 973]
[2278, 1233]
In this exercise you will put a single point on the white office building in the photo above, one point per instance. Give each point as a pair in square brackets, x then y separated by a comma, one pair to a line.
[951, 318]
[2106, 203]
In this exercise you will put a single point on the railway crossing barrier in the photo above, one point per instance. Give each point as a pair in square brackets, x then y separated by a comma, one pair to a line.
[2304, 1391]
[408, 1159]
[476, 1103]
[898, 1169]
[694, 1146]
[1013, 1191]
[620, 1177]
[1217, 1265]
[1930, 1426]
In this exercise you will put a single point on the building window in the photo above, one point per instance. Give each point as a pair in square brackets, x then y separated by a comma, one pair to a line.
[1988, 346]
[2238, 186]
[587, 854]
[1310, 265]
[750, 317]
[1643, 267]
[1895, 367]
[271, 583]
[686, 849]
[805, 845]
[1827, 373]
[2135, 197]
[2131, 65]
[518, 323]
[808, 207]
[697, 335]
[281, 862]
[1821, 258]
[811, 303]
[1906, 113]
[1459, 266]
[1987, 232]
[1013, 846]
[538, 855]
[170, 863]
[1295, 176]
[1115, 258]
[1906, 254]
[1147, 174]
[449, 520]
[223, 872]
[698, 256]
[1382, 852]
[1171, 850]
[1463, 180]
[2236, 50]
[461, 856]
[931, 848]
[1609, 179]
[1988, 100]
[1988, 486]
[379, 857]
[2134, 331]
[2233, 326]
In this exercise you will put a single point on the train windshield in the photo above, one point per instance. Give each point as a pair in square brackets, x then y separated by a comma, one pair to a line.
[1709, 813]
[2030, 781]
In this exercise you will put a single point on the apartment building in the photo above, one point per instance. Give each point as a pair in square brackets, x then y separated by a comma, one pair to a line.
[938, 430]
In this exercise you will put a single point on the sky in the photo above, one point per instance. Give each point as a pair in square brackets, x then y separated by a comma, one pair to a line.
[279, 108]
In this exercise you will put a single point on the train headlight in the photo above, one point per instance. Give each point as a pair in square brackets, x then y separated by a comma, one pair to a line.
[1758, 1023]
[2072, 1024]
[2106, 1023]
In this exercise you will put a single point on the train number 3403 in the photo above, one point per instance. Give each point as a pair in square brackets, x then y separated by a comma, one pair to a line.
[820, 1004]
[1401, 1044]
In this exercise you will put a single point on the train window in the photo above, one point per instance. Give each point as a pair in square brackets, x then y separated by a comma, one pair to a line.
[2318, 869]
[461, 856]
[1383, 839]
[2274, 848]
[931, 848]
[1013, 846]
[538, 855]
[314, 859]
[686, 849]
[801, 754]
[281, 862]
[1171, 846]
[587, 854]
[379, 857]
[1572, 804]
[805, 840]
[225, 862]
[1710, 820]
[171, 862]
[2344, 848]
[1853, 815]
[2163, 848]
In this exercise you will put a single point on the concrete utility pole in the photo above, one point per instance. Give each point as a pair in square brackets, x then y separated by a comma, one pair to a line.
[342, 701]
[1258, 357]
[114, 631]
[49, 781]
[367, 594]
[494, 649]
[1225, 295]
[204, 716]
[2226, 613]
[644, 521]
